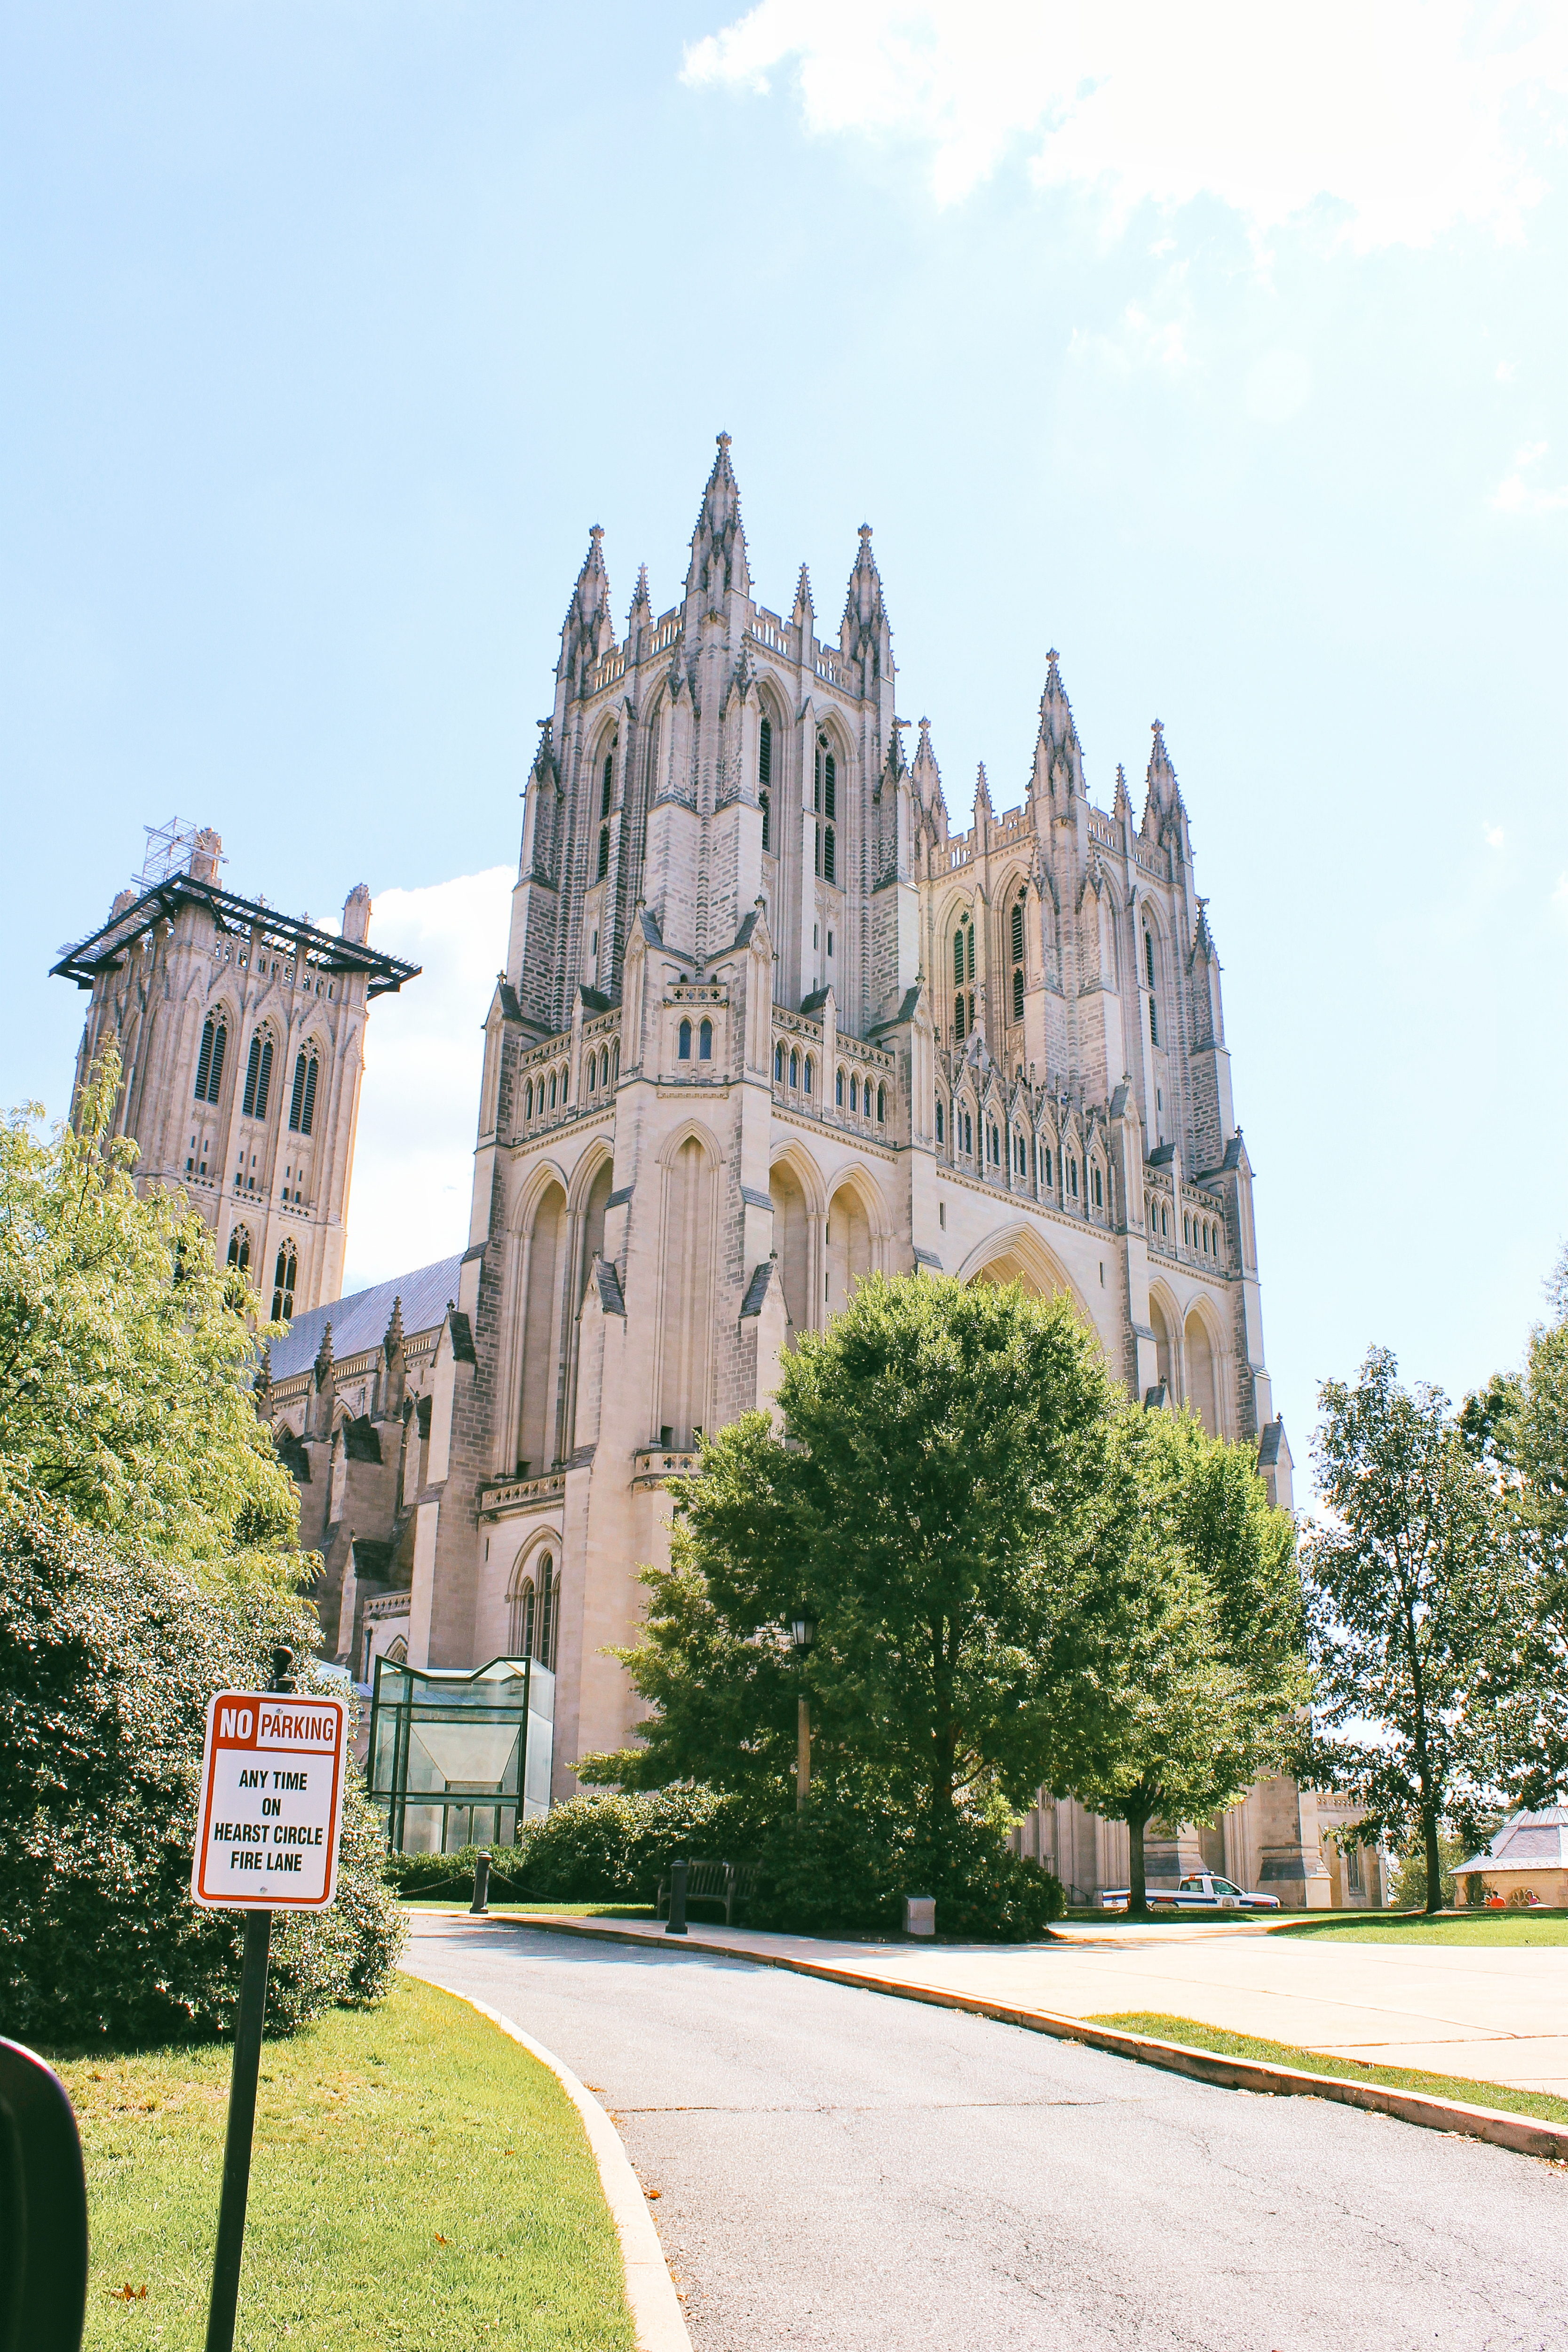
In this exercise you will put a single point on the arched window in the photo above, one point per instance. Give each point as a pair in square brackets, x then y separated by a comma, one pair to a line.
[705, 1042]
[283, 1279]
[993, 1143]
[838, 1090]
[1021, 1160]
[1073, 1175]
[523, 1619]
[778, 1065]
[528, 1099]
[258, 1076]
[959, 958]
[958, 1019]
[1099, 1194]
[1154, 1024]
[1149, 956]
[683, 1047]
[552, 1086]
[594, 1073]
[830, 855]
[240, 1250]
[603, 866]
[854, 1094]
[1045, 1168]
[544, 1642]
[811, 1066]
[608, 787]
[764, 780]
[604, 1067]
[1017, 992]
[826, 796]
[882, 1106]
[969, 1135]
[302, 1102]
[1018, 932]
[940, 1135]
[794, 1067]
[210, 1061]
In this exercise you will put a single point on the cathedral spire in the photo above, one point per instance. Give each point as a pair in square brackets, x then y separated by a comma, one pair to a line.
[1058, 754]
[926, 781]
[983, 798]
[642, 603]
[863, 632]
[805, 612]
[718, 543]
[588, 630]
[1161, 793]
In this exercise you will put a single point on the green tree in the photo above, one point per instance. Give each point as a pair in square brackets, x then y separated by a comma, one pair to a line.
[1214, 1671]
[1419, 1610]
[126, 1355]
[951, 1508]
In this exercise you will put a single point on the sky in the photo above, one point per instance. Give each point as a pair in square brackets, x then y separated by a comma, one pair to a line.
[1222, 348]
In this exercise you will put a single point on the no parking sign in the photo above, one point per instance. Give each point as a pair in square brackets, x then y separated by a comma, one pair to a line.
[272, 1802]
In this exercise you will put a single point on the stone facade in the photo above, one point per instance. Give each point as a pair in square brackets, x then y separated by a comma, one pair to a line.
[241, 1038]
[767, 1024]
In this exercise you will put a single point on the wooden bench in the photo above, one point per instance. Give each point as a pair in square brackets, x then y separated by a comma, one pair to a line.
[712, 1882]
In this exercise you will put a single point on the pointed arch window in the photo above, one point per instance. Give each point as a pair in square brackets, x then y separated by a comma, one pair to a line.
[808, 1074]
[259, 1077]
[969, 1134]
[1154, 1024]
[1149, 956]
[882, 1106]
[839, 1091]
[594, 1073]
[1099, 1191]
[1016, 928]
[684, 1042]
[602, 867]
[302, 1101]
[1018, 992]
[778, 1065]
[528, 1099]
[523, 1601]
[958, 1019]
[826, 796]
[606, 788]
[940, 1125]
[240, 1250]
[552, 1088]
[854, 1094]
[1073, 1175]
[705, 1042]
[210, 1060]
[794, 1068]
[1045, 1166]
[284, 1275]
[764, 780]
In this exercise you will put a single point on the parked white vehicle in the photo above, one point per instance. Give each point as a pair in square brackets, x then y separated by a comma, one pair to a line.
[1204, 1891]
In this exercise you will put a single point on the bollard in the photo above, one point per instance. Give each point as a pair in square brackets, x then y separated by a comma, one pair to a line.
[481, 1901]
[676, 1923]
[920, 1915]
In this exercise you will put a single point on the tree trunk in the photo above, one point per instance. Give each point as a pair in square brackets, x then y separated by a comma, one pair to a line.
[1137, 1885]
[1434, 1860]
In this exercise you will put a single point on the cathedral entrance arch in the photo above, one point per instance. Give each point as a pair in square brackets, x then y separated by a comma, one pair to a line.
[1018, 1255]
[1205, 1385]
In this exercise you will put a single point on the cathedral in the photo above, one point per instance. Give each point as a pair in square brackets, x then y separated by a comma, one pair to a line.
[765, 1023]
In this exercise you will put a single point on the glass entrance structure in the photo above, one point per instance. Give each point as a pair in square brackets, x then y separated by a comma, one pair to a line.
[459, 1758]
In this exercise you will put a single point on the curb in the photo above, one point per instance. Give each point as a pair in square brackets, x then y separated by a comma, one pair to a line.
[1525, 2135]
[656, 2317]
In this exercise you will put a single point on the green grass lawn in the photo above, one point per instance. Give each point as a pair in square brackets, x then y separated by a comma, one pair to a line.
[1351, 2070]
[1500, 1929]
[418, 2182]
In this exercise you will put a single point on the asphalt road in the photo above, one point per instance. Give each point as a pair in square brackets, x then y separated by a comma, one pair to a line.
[839, 2169]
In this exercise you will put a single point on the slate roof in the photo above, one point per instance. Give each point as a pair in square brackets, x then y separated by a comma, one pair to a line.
[360, 1321]
[1525, 1841]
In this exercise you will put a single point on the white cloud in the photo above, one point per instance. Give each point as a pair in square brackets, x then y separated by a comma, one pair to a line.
[1505, 371]
[1495, 836]
[1518, 494]
[1412, 115]
[1279, 385]
[424, 1051]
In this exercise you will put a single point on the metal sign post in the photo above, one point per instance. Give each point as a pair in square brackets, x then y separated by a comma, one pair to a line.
[266, 1840]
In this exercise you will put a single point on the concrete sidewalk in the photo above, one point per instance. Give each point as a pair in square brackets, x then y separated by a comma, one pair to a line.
[1496, 2016]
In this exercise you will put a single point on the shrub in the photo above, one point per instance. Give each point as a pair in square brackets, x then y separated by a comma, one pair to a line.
[609, 1846]
[107, 1663]
[845, 1862]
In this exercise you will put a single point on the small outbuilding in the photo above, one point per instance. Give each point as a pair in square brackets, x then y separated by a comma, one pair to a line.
[1528, 1856]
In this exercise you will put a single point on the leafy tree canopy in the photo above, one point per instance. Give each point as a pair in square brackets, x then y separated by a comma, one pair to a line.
[1418, 1610]
[953, 1507]
[126, 1355]
[1214, 1670]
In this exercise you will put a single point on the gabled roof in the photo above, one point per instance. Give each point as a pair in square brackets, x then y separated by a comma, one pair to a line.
[359, 1322]
[1525, 1841]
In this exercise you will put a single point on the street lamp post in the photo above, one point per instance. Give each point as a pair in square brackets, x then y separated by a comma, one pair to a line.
[802, 1633]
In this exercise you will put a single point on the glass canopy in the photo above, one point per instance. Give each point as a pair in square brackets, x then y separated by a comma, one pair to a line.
[458, 1758]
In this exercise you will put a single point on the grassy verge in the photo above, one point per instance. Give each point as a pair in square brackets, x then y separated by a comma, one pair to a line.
[1198, 2036]
[418, 2182]
[1500, 1929]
